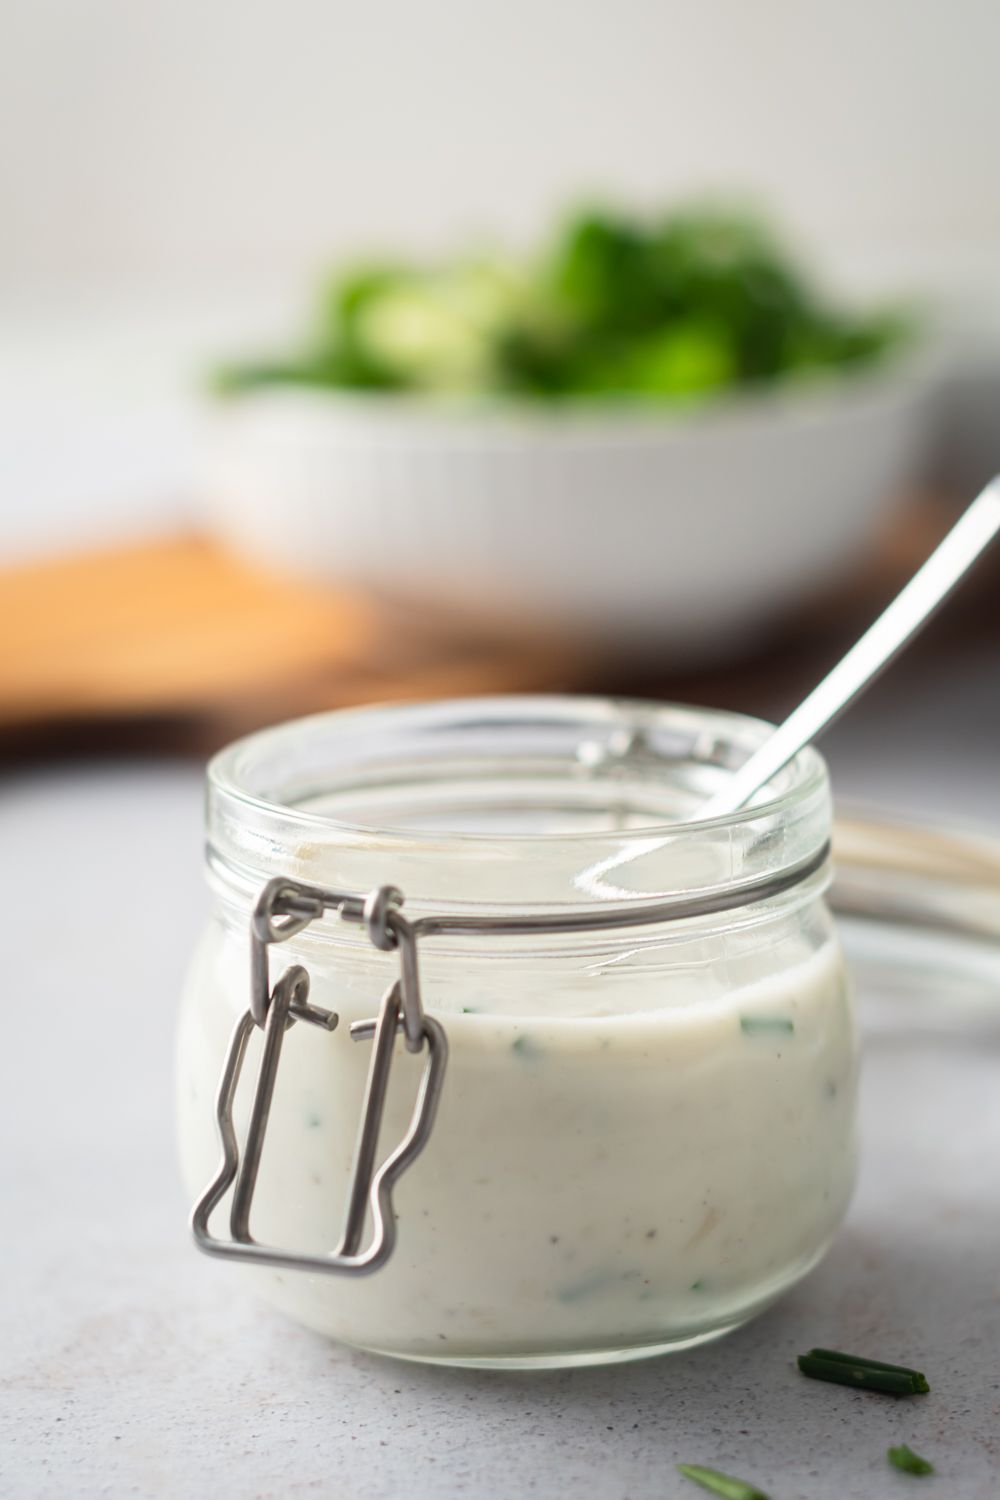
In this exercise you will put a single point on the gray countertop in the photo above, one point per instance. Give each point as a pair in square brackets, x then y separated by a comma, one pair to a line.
[131, 1366]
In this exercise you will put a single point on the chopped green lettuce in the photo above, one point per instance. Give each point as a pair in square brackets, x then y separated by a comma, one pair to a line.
[674, 309]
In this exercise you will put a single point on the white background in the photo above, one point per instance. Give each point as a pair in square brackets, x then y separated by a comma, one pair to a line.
[196, 145]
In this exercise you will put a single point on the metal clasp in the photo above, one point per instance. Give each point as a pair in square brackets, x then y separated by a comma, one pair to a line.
[285, 908]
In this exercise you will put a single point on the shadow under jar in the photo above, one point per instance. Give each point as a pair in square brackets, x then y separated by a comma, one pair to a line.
[646, 1125]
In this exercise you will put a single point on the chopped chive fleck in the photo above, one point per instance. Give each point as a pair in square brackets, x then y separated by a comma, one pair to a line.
[597, 1281]
[721, 1484]
[470, 1010]
[911, 1463]
[696, 1286]
[524, 1047]
[584, 1288]
[862, 1374]
[762, 1025]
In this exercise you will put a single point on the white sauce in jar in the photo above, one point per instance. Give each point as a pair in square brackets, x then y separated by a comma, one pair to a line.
[645, 1134]
[589, 1176]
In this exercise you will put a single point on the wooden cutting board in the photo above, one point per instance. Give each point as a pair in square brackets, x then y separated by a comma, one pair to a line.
[180, 630]
[176, 645]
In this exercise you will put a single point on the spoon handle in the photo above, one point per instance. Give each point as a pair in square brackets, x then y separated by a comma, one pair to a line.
[899, 622]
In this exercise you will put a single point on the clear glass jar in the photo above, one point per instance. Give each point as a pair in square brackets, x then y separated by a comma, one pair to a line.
[645, 1133]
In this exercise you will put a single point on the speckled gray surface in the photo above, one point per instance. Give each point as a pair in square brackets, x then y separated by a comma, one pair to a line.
[131, 1367]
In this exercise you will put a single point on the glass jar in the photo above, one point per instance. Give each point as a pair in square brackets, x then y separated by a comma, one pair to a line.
[644, 1131]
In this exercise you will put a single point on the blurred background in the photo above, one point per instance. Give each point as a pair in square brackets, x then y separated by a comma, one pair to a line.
[404, 350]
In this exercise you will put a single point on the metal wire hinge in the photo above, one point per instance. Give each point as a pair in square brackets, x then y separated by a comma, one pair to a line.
[285, 908]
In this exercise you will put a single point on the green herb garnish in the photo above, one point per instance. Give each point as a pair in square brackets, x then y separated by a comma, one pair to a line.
[526, 1048]
[721, 1484]
[755, 1025]
[597, 1281]
[911, 1463]
[862, 1374]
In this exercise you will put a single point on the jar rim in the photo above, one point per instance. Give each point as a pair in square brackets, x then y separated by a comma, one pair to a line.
[257, 829]
[805, 772]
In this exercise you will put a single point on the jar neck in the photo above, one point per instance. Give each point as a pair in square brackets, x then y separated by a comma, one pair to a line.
[509, 806]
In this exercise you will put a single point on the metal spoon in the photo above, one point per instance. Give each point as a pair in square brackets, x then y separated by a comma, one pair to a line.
[881, 642]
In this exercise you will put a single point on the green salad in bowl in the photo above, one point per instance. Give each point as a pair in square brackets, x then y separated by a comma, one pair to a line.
[671, 308]
[659, 433]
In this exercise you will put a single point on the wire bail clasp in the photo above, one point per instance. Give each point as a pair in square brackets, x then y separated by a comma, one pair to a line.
[283, 909]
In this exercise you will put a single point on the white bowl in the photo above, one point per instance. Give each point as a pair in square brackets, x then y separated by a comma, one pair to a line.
[683, 531]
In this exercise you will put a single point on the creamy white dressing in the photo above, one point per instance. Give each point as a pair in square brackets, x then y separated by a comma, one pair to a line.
[635, 1149]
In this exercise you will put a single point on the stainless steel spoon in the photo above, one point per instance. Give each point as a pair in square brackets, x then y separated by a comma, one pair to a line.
[881, 642]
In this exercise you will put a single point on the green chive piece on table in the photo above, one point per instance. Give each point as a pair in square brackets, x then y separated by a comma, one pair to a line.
[911, 1463]
[721, 1484]
[863, 1374]
[869, 1364]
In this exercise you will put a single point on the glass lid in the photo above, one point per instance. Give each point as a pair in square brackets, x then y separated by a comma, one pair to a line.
[918, 907]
